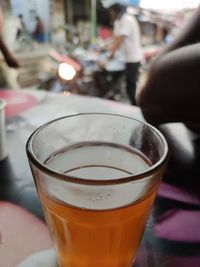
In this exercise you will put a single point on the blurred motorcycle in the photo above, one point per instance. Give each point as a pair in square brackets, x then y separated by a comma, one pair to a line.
[65, 74]
[110, 81]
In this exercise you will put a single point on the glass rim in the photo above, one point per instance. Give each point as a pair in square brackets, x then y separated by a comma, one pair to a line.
[77, 180]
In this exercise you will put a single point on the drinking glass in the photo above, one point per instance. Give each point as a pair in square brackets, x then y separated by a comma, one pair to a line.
[97, 176]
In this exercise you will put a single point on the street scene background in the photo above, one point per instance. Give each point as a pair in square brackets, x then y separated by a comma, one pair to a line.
[78, 29]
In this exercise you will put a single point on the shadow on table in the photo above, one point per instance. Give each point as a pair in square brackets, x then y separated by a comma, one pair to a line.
[18, 192]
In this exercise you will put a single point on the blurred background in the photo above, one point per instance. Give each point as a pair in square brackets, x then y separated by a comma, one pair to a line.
[44, 34]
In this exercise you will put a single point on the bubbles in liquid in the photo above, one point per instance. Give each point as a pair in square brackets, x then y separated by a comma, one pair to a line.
[100, 196]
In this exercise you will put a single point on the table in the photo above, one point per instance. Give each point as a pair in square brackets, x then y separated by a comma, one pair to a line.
[36, 108]
[20, 200]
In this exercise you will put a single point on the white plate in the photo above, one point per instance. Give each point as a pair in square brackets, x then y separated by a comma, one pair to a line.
[45, 258]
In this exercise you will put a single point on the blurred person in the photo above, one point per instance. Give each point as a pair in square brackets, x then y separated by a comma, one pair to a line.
[126, 35]
[38, 32]
[11, 61]
[171, 91]
[23, 41]
[22, 23]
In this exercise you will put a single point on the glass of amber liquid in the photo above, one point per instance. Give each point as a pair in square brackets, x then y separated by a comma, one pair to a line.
[97, 175]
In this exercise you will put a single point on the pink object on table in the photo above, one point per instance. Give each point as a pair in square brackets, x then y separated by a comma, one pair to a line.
[17, 101]
[22, 234]
[180, 222]
[178, 194]
[179, 225]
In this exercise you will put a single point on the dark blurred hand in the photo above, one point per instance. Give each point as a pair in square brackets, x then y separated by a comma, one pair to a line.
[12, 61]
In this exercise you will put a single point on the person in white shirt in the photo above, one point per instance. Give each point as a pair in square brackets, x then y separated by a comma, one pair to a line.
[126, 36]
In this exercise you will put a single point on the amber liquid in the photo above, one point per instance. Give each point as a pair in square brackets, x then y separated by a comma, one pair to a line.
[96, 238]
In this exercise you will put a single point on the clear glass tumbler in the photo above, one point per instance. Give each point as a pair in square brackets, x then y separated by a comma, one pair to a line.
[97, 176]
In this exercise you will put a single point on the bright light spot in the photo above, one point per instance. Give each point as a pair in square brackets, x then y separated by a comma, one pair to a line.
[66, 71]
